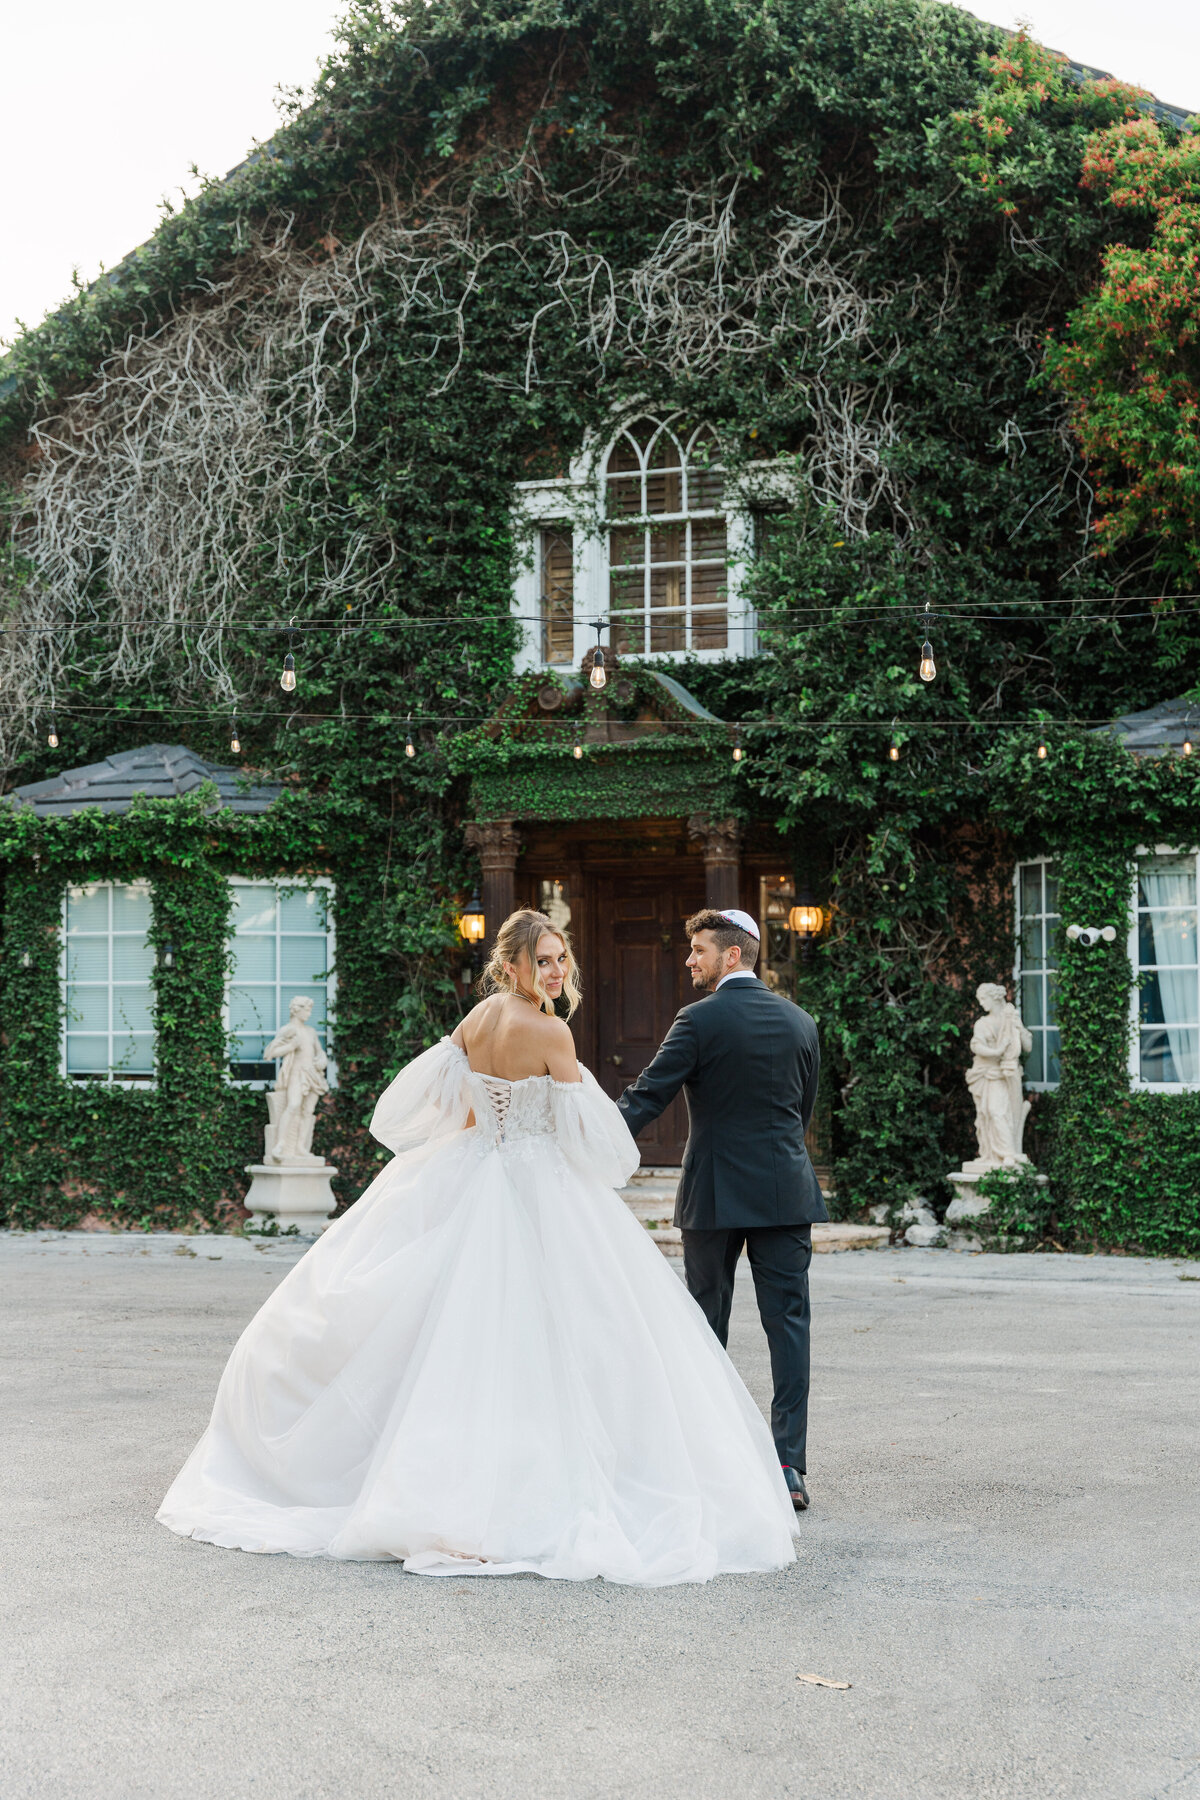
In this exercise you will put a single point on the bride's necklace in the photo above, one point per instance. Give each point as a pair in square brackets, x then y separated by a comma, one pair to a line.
[520, 994]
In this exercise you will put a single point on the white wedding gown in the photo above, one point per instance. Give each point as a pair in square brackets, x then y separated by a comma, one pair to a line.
[486, 1366]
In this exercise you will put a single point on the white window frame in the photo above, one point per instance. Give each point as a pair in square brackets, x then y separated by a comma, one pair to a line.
[1029, 862]
[329, 888]
[150, 1078]
[1137, 1085]
[576, 502]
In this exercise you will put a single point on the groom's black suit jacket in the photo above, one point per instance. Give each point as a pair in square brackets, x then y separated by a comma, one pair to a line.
[747, 1061]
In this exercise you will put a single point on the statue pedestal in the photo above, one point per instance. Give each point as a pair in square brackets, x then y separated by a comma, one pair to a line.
[968, 1205]
[291, 1194]
[968, 1202]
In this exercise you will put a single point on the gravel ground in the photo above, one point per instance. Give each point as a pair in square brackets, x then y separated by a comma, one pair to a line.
[1000, 1557]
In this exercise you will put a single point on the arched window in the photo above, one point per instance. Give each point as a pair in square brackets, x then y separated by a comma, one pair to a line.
[664, 492]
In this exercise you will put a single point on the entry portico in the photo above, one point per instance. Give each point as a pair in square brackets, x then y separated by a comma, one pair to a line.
[619, 812]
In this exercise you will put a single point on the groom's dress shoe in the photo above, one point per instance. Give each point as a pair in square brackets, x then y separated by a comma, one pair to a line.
[796, 1487]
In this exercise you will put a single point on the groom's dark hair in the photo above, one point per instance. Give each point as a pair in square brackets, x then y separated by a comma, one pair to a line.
[725, 935]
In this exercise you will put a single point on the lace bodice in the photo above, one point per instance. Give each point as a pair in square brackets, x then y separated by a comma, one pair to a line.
[435, 1095]
[506, 1111]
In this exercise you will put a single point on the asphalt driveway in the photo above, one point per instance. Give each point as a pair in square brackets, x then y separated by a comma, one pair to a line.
[1001, 1558]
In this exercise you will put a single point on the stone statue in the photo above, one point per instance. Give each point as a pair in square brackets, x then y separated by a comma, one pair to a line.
[998, 1043]
[298, 1086]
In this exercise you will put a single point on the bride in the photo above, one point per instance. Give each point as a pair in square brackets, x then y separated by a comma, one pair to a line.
[486, 1366]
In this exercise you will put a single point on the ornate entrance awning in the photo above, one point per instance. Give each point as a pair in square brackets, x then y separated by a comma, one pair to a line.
[640, 747]
[557, 749]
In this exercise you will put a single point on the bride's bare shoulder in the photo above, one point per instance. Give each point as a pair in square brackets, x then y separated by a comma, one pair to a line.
[479, 1016]
[557, 1046]
[506, 1036]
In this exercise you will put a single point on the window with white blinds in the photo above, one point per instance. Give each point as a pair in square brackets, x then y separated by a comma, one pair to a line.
[1037, 968]
[108, 993]
[282, 946]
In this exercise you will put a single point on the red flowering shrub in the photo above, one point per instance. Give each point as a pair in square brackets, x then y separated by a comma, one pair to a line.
[1130, 360]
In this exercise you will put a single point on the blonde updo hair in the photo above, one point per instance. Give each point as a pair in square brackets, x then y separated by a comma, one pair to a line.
[520, 933]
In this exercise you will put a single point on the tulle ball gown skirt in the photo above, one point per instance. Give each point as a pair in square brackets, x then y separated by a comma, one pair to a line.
[487, 1367]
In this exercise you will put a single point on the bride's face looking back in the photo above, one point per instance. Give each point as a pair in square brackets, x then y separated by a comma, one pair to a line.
[551, 967]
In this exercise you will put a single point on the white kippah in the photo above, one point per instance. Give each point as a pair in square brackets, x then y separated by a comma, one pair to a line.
[742, 920]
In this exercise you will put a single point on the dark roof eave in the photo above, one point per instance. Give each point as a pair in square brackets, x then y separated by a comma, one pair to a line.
[1160, 730]
[152, 772]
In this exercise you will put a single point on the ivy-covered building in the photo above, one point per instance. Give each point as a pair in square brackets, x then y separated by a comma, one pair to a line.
[737, 343]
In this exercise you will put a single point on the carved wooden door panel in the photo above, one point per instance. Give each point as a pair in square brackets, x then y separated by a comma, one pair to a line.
[641, 983]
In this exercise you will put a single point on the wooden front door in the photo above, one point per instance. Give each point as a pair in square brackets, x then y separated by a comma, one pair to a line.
[640, 983]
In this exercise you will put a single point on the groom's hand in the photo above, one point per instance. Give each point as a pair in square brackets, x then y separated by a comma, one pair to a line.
[659, 1082]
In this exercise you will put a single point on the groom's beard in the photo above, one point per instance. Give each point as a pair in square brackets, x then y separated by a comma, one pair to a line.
[704, 984]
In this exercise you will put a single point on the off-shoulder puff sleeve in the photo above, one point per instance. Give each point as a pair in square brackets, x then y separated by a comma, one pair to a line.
[429, 1099]
[591, 1132]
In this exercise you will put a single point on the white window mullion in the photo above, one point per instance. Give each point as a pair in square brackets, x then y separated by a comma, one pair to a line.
[591, 601]
[743, 624]
[687, 583]
[109, 973]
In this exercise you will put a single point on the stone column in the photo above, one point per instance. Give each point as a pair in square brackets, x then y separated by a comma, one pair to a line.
[721, 839]
[497, 843]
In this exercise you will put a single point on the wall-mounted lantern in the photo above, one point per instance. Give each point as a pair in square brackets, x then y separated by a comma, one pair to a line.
[166, 955]
[472, 923]
[806, 920]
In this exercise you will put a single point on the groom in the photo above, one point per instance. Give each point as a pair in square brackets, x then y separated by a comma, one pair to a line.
[747, 1061]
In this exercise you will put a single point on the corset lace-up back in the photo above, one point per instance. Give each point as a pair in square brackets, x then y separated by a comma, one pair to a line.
[510, 1110]
[499, 1092]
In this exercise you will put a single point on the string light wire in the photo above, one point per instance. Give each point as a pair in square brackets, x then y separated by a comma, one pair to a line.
[958, 609]
[749, 726]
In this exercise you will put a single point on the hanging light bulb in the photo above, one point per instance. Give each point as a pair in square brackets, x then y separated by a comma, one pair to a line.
[738, 752]
[577, 752]
[235, 742]
[287, 680]
[927, 668]
[1187, 746]
[598, 676]
[894, 753]
[410, 749]
[1042, 751]
[52, 734]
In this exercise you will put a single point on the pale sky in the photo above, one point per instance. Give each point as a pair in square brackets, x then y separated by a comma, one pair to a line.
[108, 102]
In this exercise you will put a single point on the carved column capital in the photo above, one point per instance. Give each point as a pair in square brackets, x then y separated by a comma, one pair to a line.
[721, 838]
[497, 842]
[722, 842]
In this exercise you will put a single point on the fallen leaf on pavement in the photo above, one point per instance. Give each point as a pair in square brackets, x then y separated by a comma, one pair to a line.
[822, 1681]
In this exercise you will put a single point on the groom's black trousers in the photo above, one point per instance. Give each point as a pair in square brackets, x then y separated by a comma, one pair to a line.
[779, 1258]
